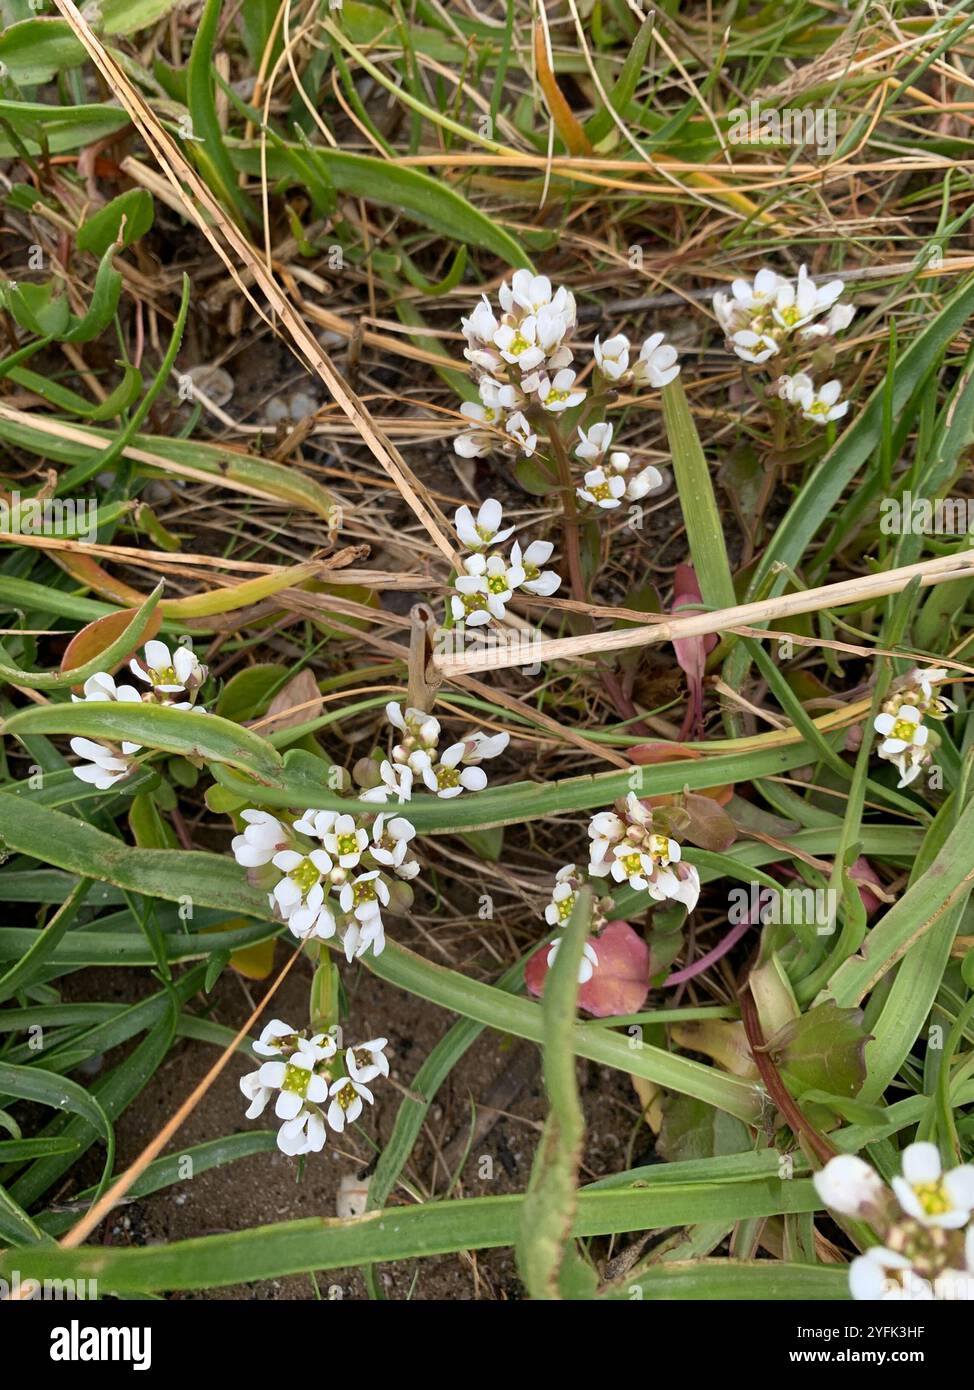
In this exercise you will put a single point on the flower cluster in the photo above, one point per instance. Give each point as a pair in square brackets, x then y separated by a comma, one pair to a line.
[174, 679]
[525, 360]
[330, 871]
[611, 478]
[627, 847]
[773, 316]
[314, 1094]
[904, 739]
[568, 880]
[416, 756]
[927, 1236]
[489, 578]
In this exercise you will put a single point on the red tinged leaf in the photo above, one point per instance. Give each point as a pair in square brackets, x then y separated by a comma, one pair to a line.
[691, 652]
[648, 754]
[620, 981]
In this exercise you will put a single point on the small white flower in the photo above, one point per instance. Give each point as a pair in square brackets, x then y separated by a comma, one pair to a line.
[105, 765]
[558, 911]
[605, 831]
[347, 1096]
[753, 347]
[415, 724]
[602, 489]
[657, 363]
[269, 1044]
[560, 392]
[901, 731]
[362, 936]
[820, 405]
[305, 1134]
[586, 966]
[486, 587]
[390, 841]
[541, 583]
[883, 1275]
[448, 777]
[168, 672]
[396, 784]
[295, 1081]
[930, 1195]
[364, 897]
[367, 1061]
[478, 746]
[263, 837]
[346, 842]
[849, 1185]
[928, 678]
[257, 1094]
[836, 321]
[300, 890]
[612, 357]
[101, 686]
[486, 529]
[316, 823]
[521, 432]
[647, 480]
[520, 345]
[595, 442]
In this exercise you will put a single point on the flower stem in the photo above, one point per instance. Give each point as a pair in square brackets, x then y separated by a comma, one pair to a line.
[572, 546]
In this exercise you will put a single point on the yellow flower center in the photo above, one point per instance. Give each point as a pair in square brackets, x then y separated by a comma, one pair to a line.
[363, 893]
[554, 395]
[347, 844]
[600, 491]
[632, 863]
[497, 584]
[518, 345]
[163, 675]
[933, 1197]
[566, 907]
[346, 1095]
[306, 875]
[659, 847]
[904, 729]
[296, 1079]
[447, 777]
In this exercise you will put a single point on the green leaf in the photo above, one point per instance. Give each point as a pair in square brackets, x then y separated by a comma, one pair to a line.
[705, 532]
[103, 228]
[822, 1050]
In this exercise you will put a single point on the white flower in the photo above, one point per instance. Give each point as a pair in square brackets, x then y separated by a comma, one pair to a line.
[904, 740]
[680, 883]
[101, 686]
[416, 724]
[586, 966]
[486, 587]
[753, 347]
[927, 678]
[746, 299]
[612, 357]
[849, 1185]
[541, 583]
[605, 831]
[797, 304]
[270, 1042]
[295, 1080]
[300, 890]
[595, 442]
[263, 837]
[930, 1195]
[818, 405]
[397, 783]
[656, 365]
[560, 393]
[520, 345]
[346, 1102]
[486, 529]
[346, 842]
[364, 897]
[361, 936]
[884, 1275]
[168, 672]
[526, 291]
[367, 1061]
[558, 911]
[390, 842]
[105, 765]
[647, 480]
[316, 823]
[479, 330]
[521, 432]
[602, 489]
[479, 746]
[836, 320]
[448, 778]
[304, 1134]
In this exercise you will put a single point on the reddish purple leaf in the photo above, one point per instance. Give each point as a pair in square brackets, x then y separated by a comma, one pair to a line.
[620, 981]
[691, 652]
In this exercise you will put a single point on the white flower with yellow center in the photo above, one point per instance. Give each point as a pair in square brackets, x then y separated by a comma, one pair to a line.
[169, 673]
[540, 582]
[904, 740]
[746, 300]
[477, 533]
[367, 1060]
[364, 898]
[448, 777]
[347, 1096]
[927, 678]
[560, 392]
[612, 357]
[396, 783]
[928, 1194]
[656, 364]
[563, 896]
[519, 344]
[300, 1090]
[605, 830]
[795, 305]
[391, 836]
[602, 489]
[263, 837]
[820, 405]
[485, 588]
[346, 841]
[754, 347]
[301, 887]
